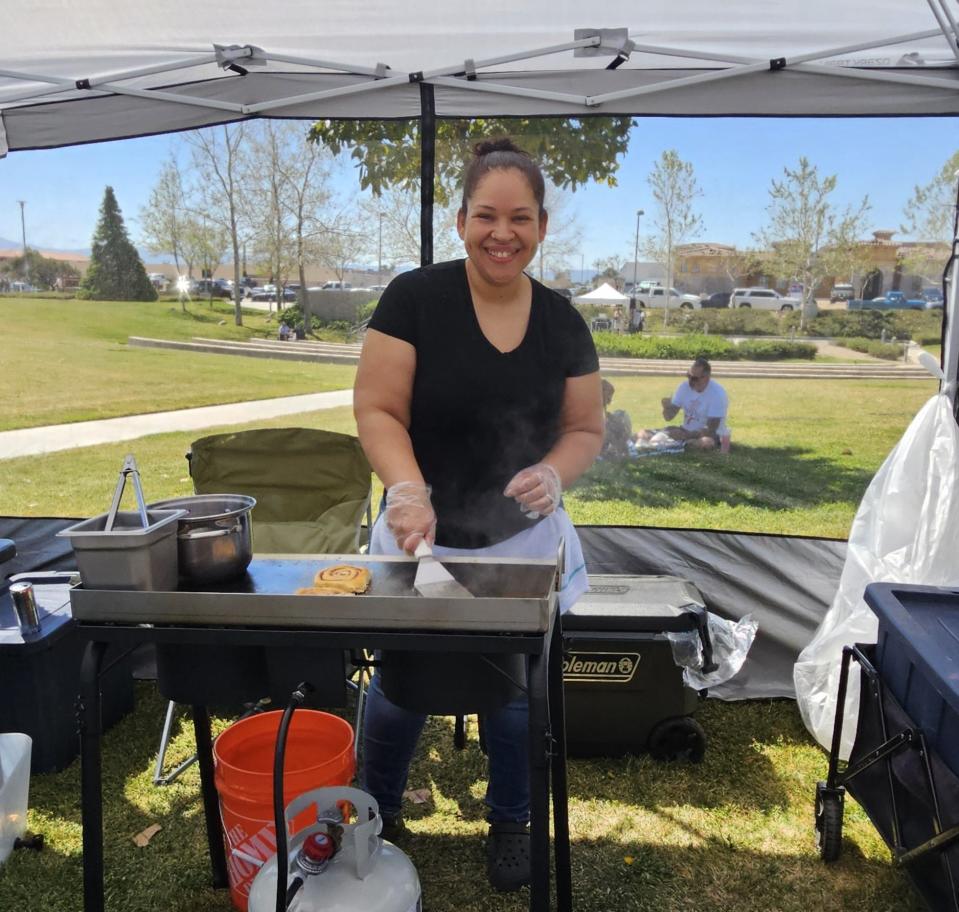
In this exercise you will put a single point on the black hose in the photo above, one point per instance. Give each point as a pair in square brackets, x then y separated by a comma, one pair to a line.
[279, 818]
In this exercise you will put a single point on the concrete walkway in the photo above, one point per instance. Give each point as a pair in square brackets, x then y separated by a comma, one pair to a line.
[33, 441]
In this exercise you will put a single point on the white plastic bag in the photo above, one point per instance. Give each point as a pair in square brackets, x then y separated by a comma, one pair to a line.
[906, 531]
[730, 641]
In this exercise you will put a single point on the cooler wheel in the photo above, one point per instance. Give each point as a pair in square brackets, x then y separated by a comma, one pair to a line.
[829, 810]
[677, 738]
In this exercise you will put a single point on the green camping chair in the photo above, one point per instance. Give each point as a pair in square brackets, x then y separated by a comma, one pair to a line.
[312, 487]
[312, 491]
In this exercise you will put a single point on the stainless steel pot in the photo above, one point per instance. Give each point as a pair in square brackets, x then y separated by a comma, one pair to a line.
[214, 540]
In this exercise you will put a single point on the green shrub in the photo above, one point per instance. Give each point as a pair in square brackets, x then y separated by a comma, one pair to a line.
[842, 324]
[740, 321]
[774, 350]
[922, 326]
[887, 350]
[688, 347]
[617, 345]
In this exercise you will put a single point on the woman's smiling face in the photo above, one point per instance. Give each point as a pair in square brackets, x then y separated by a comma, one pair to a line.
[502, 226]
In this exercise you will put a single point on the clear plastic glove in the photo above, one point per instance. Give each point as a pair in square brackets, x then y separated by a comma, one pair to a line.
[409, 514]
[536, 489]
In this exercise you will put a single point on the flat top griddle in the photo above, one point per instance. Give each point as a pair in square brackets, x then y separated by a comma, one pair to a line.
[509, 596]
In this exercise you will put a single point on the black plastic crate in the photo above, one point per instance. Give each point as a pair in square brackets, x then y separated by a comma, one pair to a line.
[917, 656]
[624, 693]
[40, 676]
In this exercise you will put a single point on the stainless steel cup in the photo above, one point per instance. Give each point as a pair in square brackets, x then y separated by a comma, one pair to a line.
[25, 605]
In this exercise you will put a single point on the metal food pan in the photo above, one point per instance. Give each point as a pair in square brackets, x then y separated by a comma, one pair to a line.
[130, 555]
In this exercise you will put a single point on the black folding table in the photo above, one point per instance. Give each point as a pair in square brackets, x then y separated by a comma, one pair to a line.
[547, 750]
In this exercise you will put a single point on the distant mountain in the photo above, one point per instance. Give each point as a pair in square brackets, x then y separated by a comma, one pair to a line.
[145, 256]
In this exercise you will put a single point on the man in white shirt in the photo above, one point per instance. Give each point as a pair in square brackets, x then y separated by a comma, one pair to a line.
[704, 404]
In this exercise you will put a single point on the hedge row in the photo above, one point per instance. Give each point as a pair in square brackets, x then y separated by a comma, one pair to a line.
[615, 345]
[923, 326]
[887, 350]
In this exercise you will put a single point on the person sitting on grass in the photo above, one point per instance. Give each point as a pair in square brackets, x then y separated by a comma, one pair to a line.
[619, 429]
[704, 404]
[284, 331]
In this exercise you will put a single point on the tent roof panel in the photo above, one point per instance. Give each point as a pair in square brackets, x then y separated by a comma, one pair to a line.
[50, 40]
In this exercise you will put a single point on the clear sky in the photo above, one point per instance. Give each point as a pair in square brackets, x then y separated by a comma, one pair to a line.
[734, 161]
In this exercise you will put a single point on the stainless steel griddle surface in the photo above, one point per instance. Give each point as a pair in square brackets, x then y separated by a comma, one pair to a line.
[510, 596]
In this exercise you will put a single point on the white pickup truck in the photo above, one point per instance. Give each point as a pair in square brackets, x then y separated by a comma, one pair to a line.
[655, 296]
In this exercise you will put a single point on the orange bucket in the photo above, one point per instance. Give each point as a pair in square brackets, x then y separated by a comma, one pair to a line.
[319, 752]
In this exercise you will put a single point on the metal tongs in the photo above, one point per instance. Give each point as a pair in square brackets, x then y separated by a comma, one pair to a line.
[130, 471]
[433, 579]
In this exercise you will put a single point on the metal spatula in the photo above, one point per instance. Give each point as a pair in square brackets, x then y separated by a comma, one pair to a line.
[433, 579]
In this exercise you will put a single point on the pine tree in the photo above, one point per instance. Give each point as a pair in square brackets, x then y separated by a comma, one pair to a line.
[116, 272]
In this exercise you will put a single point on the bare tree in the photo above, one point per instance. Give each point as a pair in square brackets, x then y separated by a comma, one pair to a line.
[808, 236]
[674, 188]
[610, 268]
[400, 210]
[305, 172]
[929, 216]
[162, 217]
[264, 191]
[205, 243]
[564, 236]
[343, 242]
[217, 157]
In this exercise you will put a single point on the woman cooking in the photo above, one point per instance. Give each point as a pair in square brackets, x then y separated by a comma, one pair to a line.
[478, 401]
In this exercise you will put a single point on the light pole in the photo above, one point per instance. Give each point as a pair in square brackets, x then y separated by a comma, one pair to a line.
[639, 213]
[23, 235]
[379, 255]
[582, 270]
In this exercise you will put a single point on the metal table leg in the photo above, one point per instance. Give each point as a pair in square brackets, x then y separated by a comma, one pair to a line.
[557, 716]
[91, 796]
[211, 806]
[539, 900]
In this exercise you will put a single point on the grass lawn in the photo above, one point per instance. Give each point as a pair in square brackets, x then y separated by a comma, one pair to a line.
[69, 361]
[733, 833]
[803, 453]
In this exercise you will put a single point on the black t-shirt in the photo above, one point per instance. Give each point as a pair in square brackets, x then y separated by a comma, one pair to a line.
[479, 415]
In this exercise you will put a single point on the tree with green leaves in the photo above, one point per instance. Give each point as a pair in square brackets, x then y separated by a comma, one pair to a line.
[116, 271]
[571, 152]
[162, 218]
[674, 188]
[808, 236]
[929, 216]
[44, 272]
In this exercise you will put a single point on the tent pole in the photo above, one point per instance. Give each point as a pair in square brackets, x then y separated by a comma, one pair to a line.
[946, 23]
[427, 170]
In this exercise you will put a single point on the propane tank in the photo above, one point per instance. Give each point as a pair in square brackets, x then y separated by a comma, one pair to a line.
[340, 867]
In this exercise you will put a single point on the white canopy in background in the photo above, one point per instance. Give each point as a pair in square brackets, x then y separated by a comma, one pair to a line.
[105, 69]
[605, 295]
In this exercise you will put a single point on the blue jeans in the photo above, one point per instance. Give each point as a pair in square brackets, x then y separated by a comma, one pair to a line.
[390, 734]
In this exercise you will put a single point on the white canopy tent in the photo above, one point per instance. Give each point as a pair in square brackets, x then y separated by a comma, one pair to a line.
[103, 70]
[74, 73]
[604, 296]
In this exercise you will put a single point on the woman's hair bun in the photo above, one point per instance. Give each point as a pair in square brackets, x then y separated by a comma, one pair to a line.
[503, 144]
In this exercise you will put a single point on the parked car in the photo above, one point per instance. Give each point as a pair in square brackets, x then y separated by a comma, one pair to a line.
[214, 288]
[763, 299]
[158, 280]
[841, 293]
[337, 286]
[933, 298]
[268, 293]
[718, 299]
[655, 296]
[892, 300]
